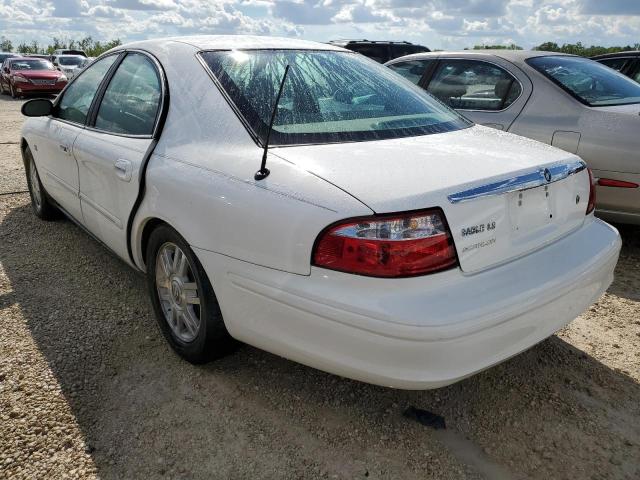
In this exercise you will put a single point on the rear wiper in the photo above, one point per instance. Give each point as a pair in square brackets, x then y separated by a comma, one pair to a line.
[264, 171]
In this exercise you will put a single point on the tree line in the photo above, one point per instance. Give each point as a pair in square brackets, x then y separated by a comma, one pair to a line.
[91, 47]
[573, 48]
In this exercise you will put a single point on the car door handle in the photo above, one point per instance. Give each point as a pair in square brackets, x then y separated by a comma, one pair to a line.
[123, 169]
[64, 148]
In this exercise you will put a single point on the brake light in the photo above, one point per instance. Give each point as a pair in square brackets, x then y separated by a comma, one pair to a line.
[592, 194]
[400, 245]
[610, 182]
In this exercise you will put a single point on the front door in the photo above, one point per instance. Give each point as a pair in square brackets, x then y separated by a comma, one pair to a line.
[54, 142]
[111, 150]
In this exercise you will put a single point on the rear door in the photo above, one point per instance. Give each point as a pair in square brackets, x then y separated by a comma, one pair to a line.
[112, 149]
[488, 92]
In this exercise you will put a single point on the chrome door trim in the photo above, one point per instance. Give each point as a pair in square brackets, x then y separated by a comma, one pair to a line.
[530, 179]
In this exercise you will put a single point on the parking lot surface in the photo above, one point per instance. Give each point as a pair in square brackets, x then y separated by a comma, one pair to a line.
[90, 389]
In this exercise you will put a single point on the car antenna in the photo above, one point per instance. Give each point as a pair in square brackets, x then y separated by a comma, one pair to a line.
[264, 171]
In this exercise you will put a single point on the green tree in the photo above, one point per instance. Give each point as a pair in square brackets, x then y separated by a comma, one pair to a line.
[5, 44]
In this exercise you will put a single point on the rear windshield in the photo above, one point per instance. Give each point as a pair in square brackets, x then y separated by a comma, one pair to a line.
[31, 64]
[327, 97]
[70, 60]
[590, 82]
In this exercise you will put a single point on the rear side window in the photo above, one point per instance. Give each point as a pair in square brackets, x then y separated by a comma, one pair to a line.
[411, 70]
[400, 50]
[474, 85]
[379, 53]
[130, 103]
[78, 96]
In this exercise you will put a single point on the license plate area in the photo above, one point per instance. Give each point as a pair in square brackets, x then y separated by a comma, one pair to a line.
[531, 209]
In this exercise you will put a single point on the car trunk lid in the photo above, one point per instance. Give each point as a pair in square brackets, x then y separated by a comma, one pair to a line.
[491, 186]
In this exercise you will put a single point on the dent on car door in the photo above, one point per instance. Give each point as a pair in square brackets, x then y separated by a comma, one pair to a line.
[53, 148]
[488, 93]
[112, 149]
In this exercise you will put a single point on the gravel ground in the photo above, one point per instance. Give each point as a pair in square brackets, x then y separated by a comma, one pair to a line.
[89, 389]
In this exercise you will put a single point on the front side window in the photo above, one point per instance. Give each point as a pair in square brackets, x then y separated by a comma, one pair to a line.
[31, 64]
[590, 82]
[474, 85]
[130, 103]
[77, 98]
[328, 97]
[412, 70]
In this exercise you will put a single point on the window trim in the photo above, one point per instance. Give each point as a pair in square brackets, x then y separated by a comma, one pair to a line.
[97, 101]
[567, 90]
[252, 133]
[441, 59]
[428, 69]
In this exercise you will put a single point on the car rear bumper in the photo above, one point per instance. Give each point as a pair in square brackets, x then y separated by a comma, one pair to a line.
[415, 333]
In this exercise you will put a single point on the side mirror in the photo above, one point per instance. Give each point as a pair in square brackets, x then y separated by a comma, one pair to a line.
[38, 107]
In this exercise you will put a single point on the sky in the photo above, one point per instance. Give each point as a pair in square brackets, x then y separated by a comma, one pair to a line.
[438, 24]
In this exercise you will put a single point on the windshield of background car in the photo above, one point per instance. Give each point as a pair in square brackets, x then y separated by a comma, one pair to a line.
[327, 97]
[70, 61]
[590, 82]
[35, 64]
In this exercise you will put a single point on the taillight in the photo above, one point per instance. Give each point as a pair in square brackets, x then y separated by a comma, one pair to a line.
[399, 245]
[610, 182]
[592, 194]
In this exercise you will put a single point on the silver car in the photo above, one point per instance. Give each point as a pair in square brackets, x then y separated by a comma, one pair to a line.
[570, 102]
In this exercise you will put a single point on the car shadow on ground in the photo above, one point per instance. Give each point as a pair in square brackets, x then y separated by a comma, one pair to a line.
[551, 412]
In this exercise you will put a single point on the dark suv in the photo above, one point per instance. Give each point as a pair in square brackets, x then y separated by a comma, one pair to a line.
[378, 50]
[627, 63]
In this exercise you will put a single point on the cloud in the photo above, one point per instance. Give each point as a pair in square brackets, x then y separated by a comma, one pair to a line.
[450, 24]
[611, 7]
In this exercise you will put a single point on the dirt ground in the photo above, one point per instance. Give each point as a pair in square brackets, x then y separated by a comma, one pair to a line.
[89, 388]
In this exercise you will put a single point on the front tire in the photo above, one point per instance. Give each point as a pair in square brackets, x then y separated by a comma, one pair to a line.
[183, 300]
[42, 206]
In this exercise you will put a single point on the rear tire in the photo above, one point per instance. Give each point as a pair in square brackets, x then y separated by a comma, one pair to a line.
[183, 300]
[40, 202]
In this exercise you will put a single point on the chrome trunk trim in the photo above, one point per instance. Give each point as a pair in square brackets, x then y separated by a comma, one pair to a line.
[531, 179]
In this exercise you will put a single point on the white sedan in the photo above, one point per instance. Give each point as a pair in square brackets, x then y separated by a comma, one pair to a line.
[306, 200]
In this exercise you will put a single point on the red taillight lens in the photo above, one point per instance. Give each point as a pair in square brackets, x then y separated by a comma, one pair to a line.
[388, 246]
[592, 194]
[610, 182]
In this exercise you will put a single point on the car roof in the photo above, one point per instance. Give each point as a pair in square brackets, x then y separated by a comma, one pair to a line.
[65, 55]
[343, 42]
[628, 53]
[230, 42]
[514, 56]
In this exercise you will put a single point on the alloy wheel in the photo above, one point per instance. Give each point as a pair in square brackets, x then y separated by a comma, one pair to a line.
[178, 292]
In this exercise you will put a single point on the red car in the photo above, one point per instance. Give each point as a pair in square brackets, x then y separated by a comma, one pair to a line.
[21, 76]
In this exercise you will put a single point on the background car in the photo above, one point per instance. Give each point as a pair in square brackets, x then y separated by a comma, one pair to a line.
[69, 51]
[380, 51]
[306, 200]
[627, 63]
[70, 65]
[566, 101]
[5, 55]
[22, 76]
